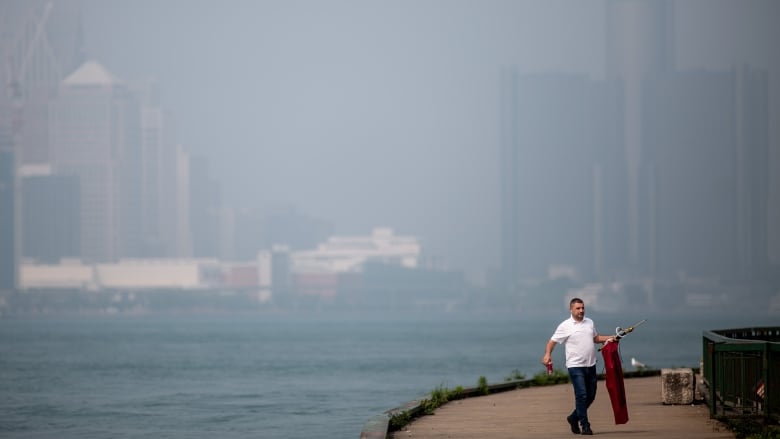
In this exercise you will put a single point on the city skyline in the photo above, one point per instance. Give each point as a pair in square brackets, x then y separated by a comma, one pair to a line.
[311, 109]
[285, 107]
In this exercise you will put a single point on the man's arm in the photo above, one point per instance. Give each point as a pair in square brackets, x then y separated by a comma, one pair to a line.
[603, 338]
[548, 352]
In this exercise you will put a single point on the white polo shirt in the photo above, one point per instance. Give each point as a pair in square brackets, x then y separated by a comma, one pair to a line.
[577, 337]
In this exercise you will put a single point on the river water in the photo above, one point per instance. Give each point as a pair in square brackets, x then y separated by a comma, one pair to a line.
[276, 376]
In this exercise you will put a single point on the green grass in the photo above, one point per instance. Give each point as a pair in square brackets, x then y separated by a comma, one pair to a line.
[515, 376]
[482, 385]
[442, 395]
[558, 377]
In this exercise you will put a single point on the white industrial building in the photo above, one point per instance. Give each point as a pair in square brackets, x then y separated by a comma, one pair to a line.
[272, 268]
[345, 254]
[126, 274]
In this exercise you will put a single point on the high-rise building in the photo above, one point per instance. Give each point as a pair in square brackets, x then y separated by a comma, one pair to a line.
[560, 172]
[95, 130]
[40, 44]
[165, 179]
[649, 172]
[50, 213]
[639, 47]
[183, 211]
[205, 209]
[159, 174]
[705, 156]
[8, 260]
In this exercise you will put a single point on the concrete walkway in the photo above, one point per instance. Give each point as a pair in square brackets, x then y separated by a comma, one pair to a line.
[540, 412]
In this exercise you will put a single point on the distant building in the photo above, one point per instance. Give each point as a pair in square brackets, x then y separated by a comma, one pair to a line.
[706, 174]
[651, 172]
[184, 236]
[67, 274]
[160, 274]
[339, 264]
[639, 46]
[50, 214]
[95, 130]
[562, 176]
[40, 44]
[129, 275]
[340, 254]
[205, 203]
[258, 229]
[159, 175]
[8, 260]
[241, 275]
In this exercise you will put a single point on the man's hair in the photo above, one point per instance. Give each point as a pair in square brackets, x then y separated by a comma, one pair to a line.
[575, 300]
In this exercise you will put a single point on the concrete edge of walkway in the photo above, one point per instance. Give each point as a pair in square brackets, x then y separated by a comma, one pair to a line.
[379, 426]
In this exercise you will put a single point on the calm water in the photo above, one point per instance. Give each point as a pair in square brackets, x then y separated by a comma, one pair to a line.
[272, 377]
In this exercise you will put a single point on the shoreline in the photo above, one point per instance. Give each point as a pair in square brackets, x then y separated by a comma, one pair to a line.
[394, 419]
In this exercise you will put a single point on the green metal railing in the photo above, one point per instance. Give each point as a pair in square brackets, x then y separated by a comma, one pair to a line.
[742, 371]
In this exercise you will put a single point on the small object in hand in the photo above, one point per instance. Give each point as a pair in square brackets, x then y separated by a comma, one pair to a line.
[549, 368]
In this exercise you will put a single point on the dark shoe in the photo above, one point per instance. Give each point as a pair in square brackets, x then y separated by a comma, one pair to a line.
[575, 427]
[587, 431]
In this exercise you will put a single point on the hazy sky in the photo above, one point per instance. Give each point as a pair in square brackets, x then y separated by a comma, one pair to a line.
[378, 113]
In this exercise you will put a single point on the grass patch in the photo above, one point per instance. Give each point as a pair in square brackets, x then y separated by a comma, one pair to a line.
[515, 376]
[557, 377]
[398, 420]
[442, 395]
[482, 385]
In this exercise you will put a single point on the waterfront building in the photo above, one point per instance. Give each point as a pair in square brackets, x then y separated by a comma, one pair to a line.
[66, 274]
[341, 264]
[126, 275]
[340, 254]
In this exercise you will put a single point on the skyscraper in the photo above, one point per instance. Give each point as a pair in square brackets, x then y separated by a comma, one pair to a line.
[40, 44]
[639, 47]
[705, 156]
[50, 213]
[205, 207]
[7, 219]
[677, 163]
[95, 126]
[560, 164]
[159, 174]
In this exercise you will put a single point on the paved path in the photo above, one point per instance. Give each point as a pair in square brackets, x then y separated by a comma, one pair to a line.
[540, 412]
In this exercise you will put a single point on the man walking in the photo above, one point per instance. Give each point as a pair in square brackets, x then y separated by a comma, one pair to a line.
[578, 335]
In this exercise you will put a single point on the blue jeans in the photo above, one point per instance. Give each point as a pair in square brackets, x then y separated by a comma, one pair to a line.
[584, 381]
